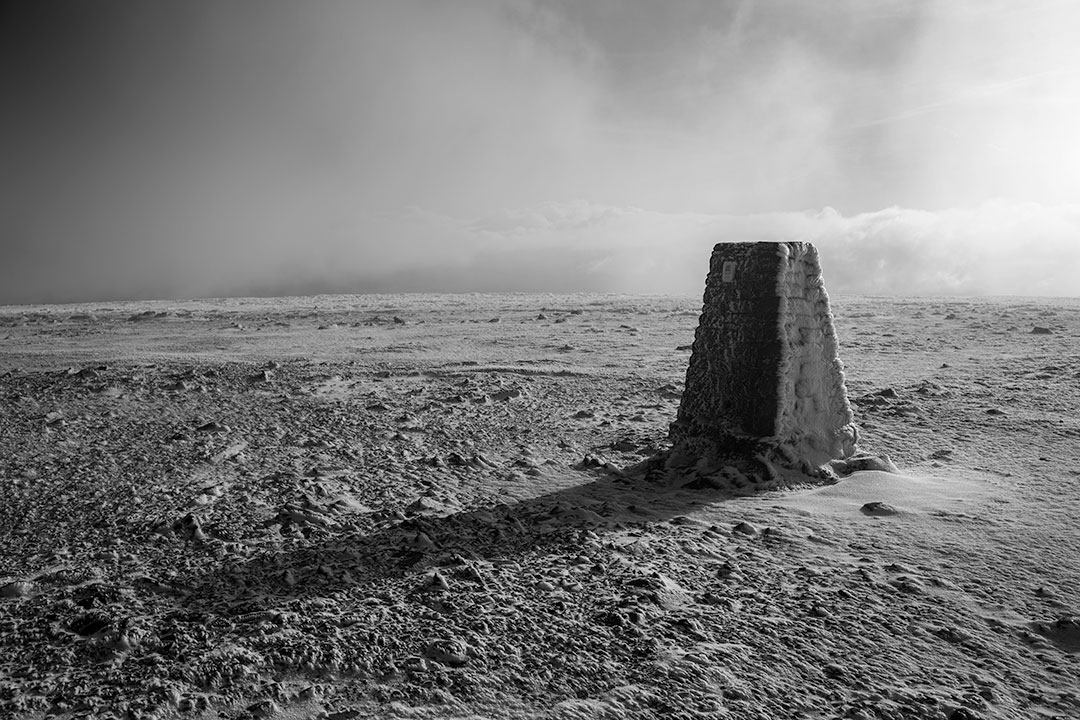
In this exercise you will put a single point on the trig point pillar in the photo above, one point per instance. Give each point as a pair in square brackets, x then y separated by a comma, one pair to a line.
[765, 380]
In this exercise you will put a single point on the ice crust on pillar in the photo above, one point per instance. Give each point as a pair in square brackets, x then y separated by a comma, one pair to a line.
[765, 377]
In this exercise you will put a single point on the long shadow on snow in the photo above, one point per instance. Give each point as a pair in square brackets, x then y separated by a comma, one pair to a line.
[336, 560]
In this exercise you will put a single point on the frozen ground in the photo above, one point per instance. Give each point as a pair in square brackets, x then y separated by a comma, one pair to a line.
[409, 506]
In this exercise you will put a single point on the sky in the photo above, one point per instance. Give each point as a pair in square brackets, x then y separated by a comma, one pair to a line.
[162, 149]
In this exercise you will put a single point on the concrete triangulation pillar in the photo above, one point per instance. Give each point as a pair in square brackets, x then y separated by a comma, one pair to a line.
[765, 380]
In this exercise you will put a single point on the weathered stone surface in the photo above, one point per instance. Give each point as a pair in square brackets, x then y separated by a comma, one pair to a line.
[765, 374]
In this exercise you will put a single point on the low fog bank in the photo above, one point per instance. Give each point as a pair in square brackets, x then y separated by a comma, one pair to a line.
[998, 248]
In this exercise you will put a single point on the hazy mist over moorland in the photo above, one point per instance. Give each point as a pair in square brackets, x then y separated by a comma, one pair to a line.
[159, 149]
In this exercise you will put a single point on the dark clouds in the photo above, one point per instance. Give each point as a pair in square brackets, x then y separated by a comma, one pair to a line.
[158, 148]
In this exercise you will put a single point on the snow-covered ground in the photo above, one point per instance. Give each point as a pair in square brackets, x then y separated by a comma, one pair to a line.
[410, 506]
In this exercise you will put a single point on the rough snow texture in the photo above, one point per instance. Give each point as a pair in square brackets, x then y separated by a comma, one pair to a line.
[765, 373]
[301, 508]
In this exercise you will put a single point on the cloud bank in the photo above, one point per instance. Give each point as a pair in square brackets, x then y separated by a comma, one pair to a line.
[998, 248]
